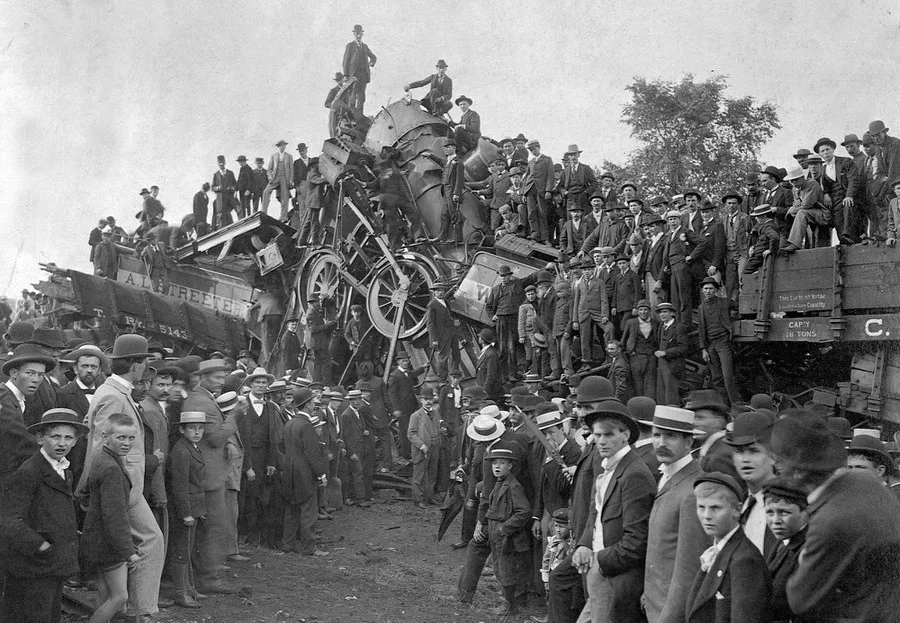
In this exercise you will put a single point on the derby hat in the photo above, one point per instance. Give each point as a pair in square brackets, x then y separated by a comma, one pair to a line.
[709, 281]
[358, 28]
[752, 177]
[488, 335]
[338, 77]
[636, 200]
[609, 176]
[762, 210]
[593, 389]
[824, 141]
[749, 428]
[731, 193]
[850, 138]
[877, 126]
[425, 393]
[628, 184]
[474, 391]
[597, 194]
[171, 371]
[871, 447]
[59, 417]
[773, 172]
[658, 200]
[441, 63]
[802, 152]
[301, 396]
[720, 479]
[463, 98]
[485, 428]
[504, 269]
[130, 346]
[259, 372]
[28, 353]
[48, 338]
[761, 401]
[241, 159]
[18, 333]
[841, 427]
[573, 149]
[544, 276]
[612, 408]
[192, 417]
[803, 440]
[211, 365]
[641, 408]
[529, 403]
[651, 218]
[635, 238]
[867, 139]
[673, 419]
[706, 399]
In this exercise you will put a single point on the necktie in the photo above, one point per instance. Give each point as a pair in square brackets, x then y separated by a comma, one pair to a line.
[708, 557]
[751, 502]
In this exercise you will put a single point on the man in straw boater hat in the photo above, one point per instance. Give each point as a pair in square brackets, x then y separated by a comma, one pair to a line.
[850, 567]
[38, 513]
[676, 538]
[129, 361]
[611, 548]
[305, 471]
[219, 429]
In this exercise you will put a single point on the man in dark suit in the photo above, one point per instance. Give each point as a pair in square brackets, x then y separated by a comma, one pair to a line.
[619, 373]
[640, 339]
[106, 256]
[683, 248]
[653, 225]
[224, 185]
[301, 185]
[77, 394]
[670, 353]
[732, 584]
[244, 186]
[737, 227]
[441, 332]
[889, 147]
[200, 210]
[260, 181]
[612, 549]
[714, 254]
[503, 306]
[492, 191]
[96, 236]
[468, 130]
[777, 196]
[578, 180]
[715, 339]
[754, 196]
[488, 369]
[850, 566]
[626, 291]
[305, 471]
[839, 181]
[574, 231]
[452, 186]
[402, 392]
[357, 63]
[676, 538]
[438, 100]
[607, 190]
[538, 184]
[320, 339]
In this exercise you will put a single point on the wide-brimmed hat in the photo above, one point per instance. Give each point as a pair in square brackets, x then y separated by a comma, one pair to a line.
[58, 417]
[18, 333]
[463, 98]
[593, 388]
[721, 479]
[693, 192]
[673, 419]
[485, 428]
[651, 218]
[802, 440]
[749, 428]
[794, 173]
[872, 447]
[192, 417]
[441, 63]
[130, 346]
[824, 141]
[211, 365]
[338, 77]
[762, 210]
[281, 142]
[803, 152]
[28, 353]
[773, 171]
[850, 138]
[731, 193]
[48, 338]
[258, 373]
[612, 408]
[841, 427]
[573, 149]
[490, 411]
[143, 192]
[706, 399]
[87, 350]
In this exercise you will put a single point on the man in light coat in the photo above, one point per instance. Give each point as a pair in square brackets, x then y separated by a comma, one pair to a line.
[281, 176]
[424, 435]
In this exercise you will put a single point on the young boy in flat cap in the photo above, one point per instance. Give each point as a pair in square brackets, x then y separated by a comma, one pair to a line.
[733, 583]
[559, 546]
[508, 518]
[186, 471]
[40, 527]
[787, 519]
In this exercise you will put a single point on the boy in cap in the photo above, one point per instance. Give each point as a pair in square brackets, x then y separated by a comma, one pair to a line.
[764, 239]
[424, 435]
[186, 471]
[508, 517]
[559, 546]
[509, 223]
[38, 514]
[787, 519]
[733, 581]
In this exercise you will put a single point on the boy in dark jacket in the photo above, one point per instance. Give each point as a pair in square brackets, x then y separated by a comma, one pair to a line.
[185, 473]
[764, 238]
[106, 539]
[40, 530]
[507, 517]
[787, 519]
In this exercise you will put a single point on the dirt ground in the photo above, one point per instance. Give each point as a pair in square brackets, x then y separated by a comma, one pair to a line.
[385, 566]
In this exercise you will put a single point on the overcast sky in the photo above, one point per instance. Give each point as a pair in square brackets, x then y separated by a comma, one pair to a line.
[101, 98]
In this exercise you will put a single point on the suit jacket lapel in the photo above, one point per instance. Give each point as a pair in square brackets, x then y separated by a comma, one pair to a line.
[716, 573]
[617, 473]
[52, 478]
[688, 470]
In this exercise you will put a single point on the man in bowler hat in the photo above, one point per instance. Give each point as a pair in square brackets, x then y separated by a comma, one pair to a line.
[358, 62]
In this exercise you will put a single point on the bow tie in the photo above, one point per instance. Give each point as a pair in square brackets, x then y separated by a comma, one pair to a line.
[256, 401]
[708, 557]
[89, 391]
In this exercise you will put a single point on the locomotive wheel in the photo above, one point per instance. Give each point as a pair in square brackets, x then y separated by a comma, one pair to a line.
[387, 294]
[321, 273]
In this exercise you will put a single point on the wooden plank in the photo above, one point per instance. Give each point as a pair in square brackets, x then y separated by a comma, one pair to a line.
[872, 286]
[744, 331]
[791, 280]
[804, 259]
[872, 328]
[870, 254]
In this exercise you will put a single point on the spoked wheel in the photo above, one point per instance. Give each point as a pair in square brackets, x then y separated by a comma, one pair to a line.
[388, 293]
[321, 273]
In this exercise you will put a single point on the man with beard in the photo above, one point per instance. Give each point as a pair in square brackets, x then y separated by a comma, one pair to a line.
[77, 394]
[676, 538]
[850, 566]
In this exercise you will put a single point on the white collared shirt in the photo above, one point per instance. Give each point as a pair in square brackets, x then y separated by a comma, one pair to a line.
[831, 169]
[673, 468]
[19, 395]
[717, 547]
[59, 466]
[609, 466]
[755, 521]
[257, 407]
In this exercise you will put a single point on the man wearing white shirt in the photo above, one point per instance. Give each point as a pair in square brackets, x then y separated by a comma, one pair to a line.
[676, 538]
[756, 467]
[612, 548]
